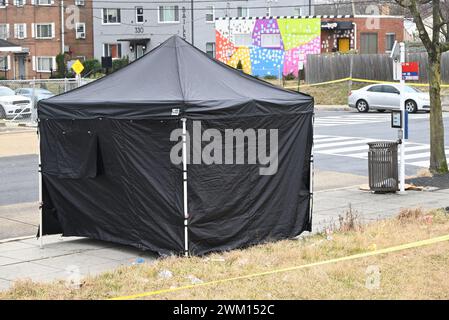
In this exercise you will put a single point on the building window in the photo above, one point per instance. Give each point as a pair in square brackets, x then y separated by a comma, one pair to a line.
[210, 49]
[390, 38]
[44, 31]
[80, 30]
[80, 2]
[368, 43]
[20, 30]
[45, 64]
[4, 65]
[112, 50]
[4, 31]
[139, 15]
[210, 14]
[3, 3]
[243, 39]
[168, 14]
[242, 12]
[44, 2]
[298, 11]
[111, 16]
[270, 40]
[19, 3]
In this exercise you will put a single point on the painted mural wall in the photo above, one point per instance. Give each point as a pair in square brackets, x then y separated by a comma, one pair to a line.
[246, 41]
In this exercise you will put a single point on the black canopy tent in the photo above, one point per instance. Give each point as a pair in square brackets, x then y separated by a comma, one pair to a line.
[107, 170]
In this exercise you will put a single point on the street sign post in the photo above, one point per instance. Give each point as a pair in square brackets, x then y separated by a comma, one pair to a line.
[78, 67]
[398, 56]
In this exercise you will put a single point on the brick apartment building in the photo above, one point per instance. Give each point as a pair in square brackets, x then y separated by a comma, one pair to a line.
[364, 33]
[36, 26]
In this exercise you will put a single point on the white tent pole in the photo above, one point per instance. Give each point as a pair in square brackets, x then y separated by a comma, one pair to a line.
[40, 187]
[184, 174]
[312, 169]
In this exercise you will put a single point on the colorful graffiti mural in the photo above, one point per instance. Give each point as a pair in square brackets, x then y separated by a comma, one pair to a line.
[267, 46]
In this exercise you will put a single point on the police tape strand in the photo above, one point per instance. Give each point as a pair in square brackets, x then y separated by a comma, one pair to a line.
[360, 80]
[314, 264]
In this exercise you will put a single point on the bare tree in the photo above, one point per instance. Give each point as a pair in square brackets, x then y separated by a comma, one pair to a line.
[436, 43]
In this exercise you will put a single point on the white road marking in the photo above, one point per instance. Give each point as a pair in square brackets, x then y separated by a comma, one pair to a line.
[351, 147]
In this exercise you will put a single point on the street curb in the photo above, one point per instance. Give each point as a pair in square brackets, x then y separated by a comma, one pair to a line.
[345, 108]
[333, 108]
[17, 131]
[16, 239]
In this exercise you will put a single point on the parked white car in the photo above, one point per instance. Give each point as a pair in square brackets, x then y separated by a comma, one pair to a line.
[39, 94]
[383, 97]
[11, 104]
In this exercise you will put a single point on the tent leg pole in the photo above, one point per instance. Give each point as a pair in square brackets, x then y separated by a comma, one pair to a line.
[312, 170]
[41, 240]
[184, 178]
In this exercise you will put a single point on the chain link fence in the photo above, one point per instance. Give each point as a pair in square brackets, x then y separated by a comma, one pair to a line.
[19, 98]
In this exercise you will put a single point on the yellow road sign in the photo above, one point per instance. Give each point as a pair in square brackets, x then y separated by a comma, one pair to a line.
[78, 67]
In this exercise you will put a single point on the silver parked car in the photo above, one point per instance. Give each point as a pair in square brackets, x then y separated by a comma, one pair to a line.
[383, 97]
[12, 105]
[39, 93]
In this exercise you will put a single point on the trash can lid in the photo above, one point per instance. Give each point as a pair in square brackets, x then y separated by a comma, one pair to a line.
[383, 144]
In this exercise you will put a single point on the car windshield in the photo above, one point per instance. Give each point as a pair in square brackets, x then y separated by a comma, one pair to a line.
[6, 92]
[43, 91]
[408, 89]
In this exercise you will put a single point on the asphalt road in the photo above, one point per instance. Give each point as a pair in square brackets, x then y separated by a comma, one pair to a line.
[18, 179]
[373, 125]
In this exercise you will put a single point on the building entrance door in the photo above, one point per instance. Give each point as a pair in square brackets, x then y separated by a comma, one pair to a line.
[343, 44]
[21, 60]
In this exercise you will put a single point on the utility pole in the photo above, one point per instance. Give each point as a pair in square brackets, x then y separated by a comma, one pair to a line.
[310, 7]
[184, 23]
[353, 7]
[191, 7]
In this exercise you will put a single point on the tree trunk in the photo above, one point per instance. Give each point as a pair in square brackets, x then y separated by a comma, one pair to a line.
[438, 163]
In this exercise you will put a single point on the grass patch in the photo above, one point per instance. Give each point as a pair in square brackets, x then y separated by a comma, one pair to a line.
[336, 93]
[419, 273]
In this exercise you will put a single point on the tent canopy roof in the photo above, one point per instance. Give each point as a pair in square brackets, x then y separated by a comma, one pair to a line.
[173, 75]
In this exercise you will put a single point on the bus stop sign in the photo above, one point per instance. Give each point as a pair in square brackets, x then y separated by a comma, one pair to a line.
[410, 71]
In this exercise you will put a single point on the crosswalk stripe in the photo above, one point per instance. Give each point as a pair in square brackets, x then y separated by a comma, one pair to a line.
[356, 147]
[344, 143]
[363, 119]
[416, 155]
[332, 139]
[343, 150]
[423, 164]
[407, 148]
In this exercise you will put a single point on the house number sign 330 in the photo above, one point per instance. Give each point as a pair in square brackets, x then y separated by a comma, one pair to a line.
[139, 30]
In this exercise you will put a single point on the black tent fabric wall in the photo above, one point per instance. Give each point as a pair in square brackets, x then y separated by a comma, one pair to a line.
[106, 168]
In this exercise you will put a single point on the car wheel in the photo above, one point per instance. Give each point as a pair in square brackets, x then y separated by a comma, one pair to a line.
[411, 106]
[362, 106]
[380, 110]
[2, 113]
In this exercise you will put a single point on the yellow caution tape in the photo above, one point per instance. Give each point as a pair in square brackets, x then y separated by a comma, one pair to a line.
[314, 264]
[361, 80]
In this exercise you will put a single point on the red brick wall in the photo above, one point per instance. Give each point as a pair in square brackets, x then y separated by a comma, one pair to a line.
[46, 47]
[380, 26]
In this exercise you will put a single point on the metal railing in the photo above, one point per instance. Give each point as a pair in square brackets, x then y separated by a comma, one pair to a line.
[34, 90]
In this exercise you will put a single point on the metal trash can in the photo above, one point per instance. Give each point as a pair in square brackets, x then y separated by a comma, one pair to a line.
[383, 166]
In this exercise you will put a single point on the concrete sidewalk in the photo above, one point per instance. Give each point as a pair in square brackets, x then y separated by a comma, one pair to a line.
[329, 204]
[60, 257]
